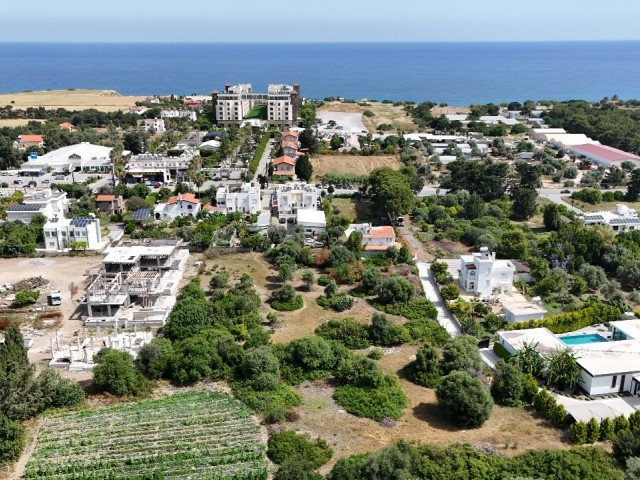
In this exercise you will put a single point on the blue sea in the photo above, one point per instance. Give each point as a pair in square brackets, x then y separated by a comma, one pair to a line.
[455, 73]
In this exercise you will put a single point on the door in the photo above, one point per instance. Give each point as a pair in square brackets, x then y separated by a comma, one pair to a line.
[621, 388]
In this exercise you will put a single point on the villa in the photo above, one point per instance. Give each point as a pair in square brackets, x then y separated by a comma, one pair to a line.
[609, 360]
[284, 166]
[244, 197]
[374, 239]
[622, 219]
[50, 203]
[181, 205]
[482, 273]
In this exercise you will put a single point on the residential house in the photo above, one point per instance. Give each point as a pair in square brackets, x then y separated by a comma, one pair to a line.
[26, 142]
[519, 311]
[190, 114]
[374, 239]
[67, 126]
[622, 219]
[293, 196]
[159, 168]
[51, 204]
[62, 233]
[482, 273]
[110, 204]
[243, 198]
[155, 124]
[182, 205]
[284, 166]
[290, 136]
[290, 149]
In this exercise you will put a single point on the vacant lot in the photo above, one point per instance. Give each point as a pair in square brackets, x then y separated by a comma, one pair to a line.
[207, 432]
[358, 209]
[382, 113]
[16, 122]
[351, 164]
[103, 100]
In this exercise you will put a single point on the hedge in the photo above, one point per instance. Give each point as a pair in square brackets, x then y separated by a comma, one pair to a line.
[501, 351]
[255, 161]
[568, 322]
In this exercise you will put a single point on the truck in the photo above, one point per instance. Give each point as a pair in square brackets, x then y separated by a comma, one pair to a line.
[54, 298]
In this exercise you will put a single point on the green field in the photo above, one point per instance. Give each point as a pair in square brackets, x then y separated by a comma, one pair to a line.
[259, 111]
[183, 436]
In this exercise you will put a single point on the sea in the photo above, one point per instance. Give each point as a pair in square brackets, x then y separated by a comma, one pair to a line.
[452, 73]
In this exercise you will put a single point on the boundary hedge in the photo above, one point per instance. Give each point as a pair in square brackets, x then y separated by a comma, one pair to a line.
[568, 322]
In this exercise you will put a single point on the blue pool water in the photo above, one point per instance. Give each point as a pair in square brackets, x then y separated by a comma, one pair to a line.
[582, 339]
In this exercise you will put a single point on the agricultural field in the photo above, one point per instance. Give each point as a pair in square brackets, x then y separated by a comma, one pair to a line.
[351, 164]
[103, 100]
[182, 436]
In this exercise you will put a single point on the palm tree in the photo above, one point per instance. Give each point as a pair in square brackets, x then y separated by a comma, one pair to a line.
[116, 161]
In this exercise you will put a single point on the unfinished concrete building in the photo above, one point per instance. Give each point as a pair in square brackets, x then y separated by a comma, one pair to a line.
[136, 285]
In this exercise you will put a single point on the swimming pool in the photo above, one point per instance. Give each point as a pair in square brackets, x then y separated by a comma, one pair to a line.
[581, 339]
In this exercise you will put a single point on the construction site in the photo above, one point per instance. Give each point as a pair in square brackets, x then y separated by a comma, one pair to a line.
[136, 284]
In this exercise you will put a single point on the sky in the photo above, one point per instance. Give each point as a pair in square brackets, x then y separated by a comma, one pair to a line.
[318, 21]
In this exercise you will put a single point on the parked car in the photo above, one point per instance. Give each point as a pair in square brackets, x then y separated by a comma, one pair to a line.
[291, 220]
[17, 181]
[282, 220]
[565, 191]
[46, 181]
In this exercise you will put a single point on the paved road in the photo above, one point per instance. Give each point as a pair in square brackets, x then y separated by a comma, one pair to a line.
[264, 160]
[444, 317]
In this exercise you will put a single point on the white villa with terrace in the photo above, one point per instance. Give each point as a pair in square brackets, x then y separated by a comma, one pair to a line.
[609, 360]
[482, 273]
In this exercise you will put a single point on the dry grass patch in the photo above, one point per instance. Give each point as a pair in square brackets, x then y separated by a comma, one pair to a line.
[103, 100]
[437, 111]
[588, 207]
[351, 164]
[383, 113]
[17, 122]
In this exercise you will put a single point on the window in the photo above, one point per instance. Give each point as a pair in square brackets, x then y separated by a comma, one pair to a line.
[472, 286]
[613, 381]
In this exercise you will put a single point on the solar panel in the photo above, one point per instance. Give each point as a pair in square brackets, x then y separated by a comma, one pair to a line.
[81, 221]
[141, 214]
[25, 207]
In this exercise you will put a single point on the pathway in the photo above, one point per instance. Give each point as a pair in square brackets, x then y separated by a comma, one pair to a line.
[431, 292]
[264, 160]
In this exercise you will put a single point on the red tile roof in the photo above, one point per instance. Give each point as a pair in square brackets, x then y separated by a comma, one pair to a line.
[210, 208]
[30, 138]
[382, 232]
[186, 197]
[284, 159]
[67, 125]
[289, 133]
[105, 198]
[608, 153]
[289, 144]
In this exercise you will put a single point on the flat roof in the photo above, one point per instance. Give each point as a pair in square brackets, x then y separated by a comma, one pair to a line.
[609, 358]
[630, 327]
[311, 216]
[546, 341]
[522, 308]
[131, 254]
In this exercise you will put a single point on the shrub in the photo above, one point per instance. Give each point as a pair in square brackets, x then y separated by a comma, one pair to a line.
[634, 421]
[274, 404]
[348, 331]
[413, 310]
[286, 300]
[219, 280]
[501, 351]
[460, 353]
[626, 444]
[464, 399]
[375, 354]
[287, 444]
[620, 424]
[324, 280]
[359, 371]
[606, 429]
[296, 468]
[508, 385]
[530, 388]
[194, 358]
[153, 358]
[384, 333]
[593, 431]
[393, 290]
[385, 401]
[568, 322]
[425, 369]
[338, 303]
[26, 297]
[114, 373]
[578, 433]
[428, 330]
[371, 279]
[450, 292]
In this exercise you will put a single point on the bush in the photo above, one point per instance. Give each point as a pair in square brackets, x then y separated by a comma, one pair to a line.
[620, 424]
[386, 401]
[375, 354]
[324, 280]
[288, 306]
[508, 385]
[114, 373]
[425, 369]
[359, 371]
[371, 279]
[464, 399]
[153, 358]
[626, 444]
[501, 351]
[384, 333]
[26, 297]
[296, 468]
[348, 331]
[413, 310]
[568, 322]
[578, 433]
[219, 280]
[428, 330]
[288, 444]
[450, 292]
[338, 303]
[593, 431]
[606, 429]
[393, 290]
[460, 353]
[275, 405]
[11, 440]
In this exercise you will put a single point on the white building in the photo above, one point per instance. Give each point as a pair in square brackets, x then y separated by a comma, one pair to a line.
[374, 239]
[609, 360]
[622, 219]
[61, 234]
[604, 155]
[293, 196]
[52, 205]
[163, 168]
[155, 124]
[542, 134]
[313, 222]
[243, 198]
[182, 205]
[190, 114]
[567, 140]
[516, 312]
[81, 156]
[482, 273]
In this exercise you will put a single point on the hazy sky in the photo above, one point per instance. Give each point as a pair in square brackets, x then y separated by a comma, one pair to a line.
[317, 21]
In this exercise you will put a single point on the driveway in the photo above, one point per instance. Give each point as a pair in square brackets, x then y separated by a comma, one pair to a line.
[431, 293]
[264, 160]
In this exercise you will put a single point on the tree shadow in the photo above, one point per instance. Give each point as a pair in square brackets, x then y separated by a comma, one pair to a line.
[273, 279]
[434, 416]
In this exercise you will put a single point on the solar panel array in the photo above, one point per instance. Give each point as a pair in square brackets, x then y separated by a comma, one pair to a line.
[141, 214]
[25, 207]
[625, 221]
[82, 221]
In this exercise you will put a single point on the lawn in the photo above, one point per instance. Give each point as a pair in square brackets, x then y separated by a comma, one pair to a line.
[358, 209]
[351, 164]
[259, 111]
[173, 437]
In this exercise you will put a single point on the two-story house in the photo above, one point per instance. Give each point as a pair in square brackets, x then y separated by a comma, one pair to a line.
[110, 204]
[49, 203]
[284, 166]
[243, 198]
[25, 142]
[294, 196]
[482, 273]
[181, 205]
[374, 239]
[290, 149]
[61, 234]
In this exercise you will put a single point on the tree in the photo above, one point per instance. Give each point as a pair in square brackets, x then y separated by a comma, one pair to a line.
[633, 187]
[308, 140]
[308, 114]
[551, 217]
[606, 429]
[11, 439]
[508, 385]
[626, 445]
[633, 468]
[391, 190]
[219, 280]
[464, 399]
[450, 292]
[154, 358]
[304, 169]
[340, 254]
[371, 278]
[524, 202]
[134, 142]
[460, 353]
[276, 234]
[296, 468]
[354, 243]
[114, 373]
[383, 332]
[578, 433]
[309, 279]
[336, 142]
[394, 290]
[425, 369]
[593, 431]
